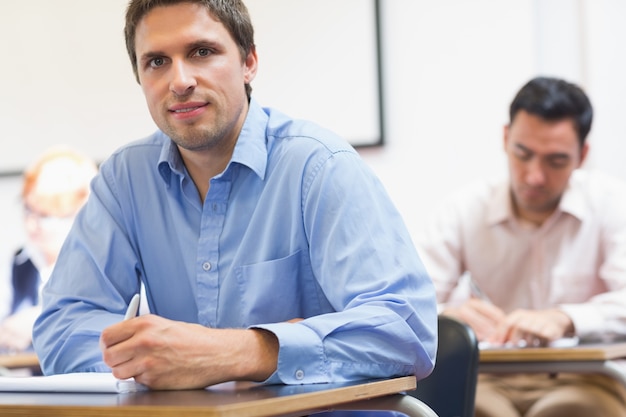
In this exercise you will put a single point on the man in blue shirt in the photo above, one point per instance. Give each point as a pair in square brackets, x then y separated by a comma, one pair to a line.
[268, 249]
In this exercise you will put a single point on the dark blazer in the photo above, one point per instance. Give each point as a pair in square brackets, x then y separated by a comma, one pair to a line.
[25, 282]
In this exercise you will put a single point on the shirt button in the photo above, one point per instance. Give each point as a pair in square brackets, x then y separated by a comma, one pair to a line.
[206, 266]
[299, 374]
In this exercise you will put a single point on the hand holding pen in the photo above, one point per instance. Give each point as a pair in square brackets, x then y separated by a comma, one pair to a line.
[131, 312]
[524, 327]
[479, 312]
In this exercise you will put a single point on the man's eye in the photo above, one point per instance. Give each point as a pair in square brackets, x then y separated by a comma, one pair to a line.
[203, 52]
[558, 163]
[156, 62]
[523, 156]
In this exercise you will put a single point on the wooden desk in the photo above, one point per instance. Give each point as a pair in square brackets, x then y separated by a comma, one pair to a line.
[19, 360]
[224, 400]
[584, 358]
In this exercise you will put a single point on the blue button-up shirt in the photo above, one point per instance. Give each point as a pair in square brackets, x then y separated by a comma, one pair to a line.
[296, 226]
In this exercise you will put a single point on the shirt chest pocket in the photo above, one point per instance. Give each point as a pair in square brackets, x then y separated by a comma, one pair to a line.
[273, 291]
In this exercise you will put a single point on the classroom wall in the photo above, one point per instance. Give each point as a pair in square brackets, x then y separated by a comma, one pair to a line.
[451, 68]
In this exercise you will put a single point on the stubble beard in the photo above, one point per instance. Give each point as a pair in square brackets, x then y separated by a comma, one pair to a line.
[196, 139]
[543, 206]
[199, 137]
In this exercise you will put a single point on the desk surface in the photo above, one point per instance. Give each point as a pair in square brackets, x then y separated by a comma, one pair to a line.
[229, 399]
[583, 352]
[19, 360]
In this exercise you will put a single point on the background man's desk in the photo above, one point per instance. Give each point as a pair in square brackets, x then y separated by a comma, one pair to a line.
[230, 399]
[585, 358]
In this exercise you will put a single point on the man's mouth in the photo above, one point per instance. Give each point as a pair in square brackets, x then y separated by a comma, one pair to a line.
[186, 107]
[186, 110]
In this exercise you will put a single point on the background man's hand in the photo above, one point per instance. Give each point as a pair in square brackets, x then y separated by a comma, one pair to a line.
[533, 327]
[483, 317]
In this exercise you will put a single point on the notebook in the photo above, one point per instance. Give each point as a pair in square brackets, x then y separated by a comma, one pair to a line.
[73, 382]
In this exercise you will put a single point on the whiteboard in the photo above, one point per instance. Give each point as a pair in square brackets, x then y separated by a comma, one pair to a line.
[67, 78]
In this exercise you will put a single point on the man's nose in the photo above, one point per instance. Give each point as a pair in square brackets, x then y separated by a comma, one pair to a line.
[183, 80]
[535, 174]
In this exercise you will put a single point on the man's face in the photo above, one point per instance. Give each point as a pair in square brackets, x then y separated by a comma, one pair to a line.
[193, 76]
[542, 156]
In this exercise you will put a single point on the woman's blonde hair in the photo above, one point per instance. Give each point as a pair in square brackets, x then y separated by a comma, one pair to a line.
[60, 169]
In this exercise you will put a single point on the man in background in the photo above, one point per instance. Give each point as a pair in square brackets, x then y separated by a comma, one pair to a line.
[54, 187]
[543, 253]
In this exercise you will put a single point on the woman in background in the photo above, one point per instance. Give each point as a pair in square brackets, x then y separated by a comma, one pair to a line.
[54, 189]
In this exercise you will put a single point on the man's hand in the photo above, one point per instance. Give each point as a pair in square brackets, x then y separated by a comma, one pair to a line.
[533, 327]
[483, 317]
[166, 354]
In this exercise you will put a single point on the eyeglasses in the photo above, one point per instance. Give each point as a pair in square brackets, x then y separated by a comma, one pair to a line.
[47, 222]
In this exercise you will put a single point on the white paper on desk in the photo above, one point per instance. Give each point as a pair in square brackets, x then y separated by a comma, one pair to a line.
[74, 382]
[559, 343]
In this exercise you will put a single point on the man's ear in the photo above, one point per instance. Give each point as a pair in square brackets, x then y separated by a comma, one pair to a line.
[250, 65]
[505, 136]
[583, 154]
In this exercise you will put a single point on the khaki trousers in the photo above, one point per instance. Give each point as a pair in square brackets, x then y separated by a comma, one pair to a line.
[543, 395]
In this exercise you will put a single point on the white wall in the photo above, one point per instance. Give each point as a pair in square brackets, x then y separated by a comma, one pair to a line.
[605, 69]
[451, 69]
[65, 73]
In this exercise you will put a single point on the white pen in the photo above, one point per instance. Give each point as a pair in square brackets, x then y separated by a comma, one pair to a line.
[131, 311]
[477, 292]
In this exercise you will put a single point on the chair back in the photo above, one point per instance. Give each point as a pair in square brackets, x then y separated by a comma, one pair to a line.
[450, 389]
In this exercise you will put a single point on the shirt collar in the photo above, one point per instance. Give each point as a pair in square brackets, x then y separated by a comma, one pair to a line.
[250, 149]
[170, 160]
[572, 202]
[500, 209]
